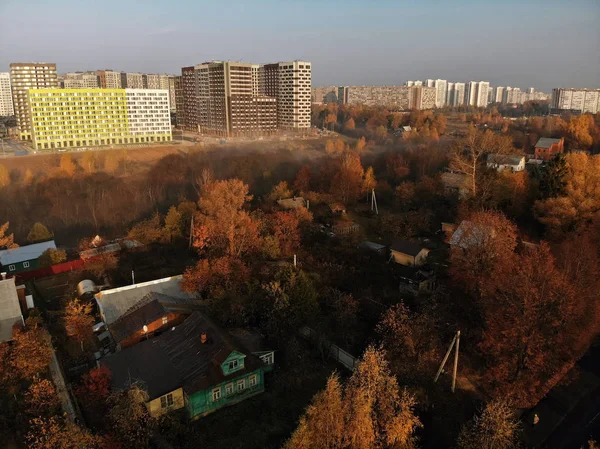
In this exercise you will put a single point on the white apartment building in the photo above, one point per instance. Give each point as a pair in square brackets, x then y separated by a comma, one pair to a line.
[441, 88]
[498, 94]
[6, 101]
[450, 94]
[148, 112]
[255, 79]
[110, 79]
[23, 77]
[483, 88]
[459, 94]
[293, 96]
[132, 80]
[512, 95]
[430, 83]
[471, 93]
[584, 100]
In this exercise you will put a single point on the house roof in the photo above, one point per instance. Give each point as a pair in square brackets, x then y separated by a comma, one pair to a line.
[470, 234]
[456, 180]
[504, 159]
[23, 253]
[546, 142]
[180, 358]
[292, 203]
[371, 245]
[10, 310]
[115, 302]
[152, 307]
[406, 247]
[110, 248]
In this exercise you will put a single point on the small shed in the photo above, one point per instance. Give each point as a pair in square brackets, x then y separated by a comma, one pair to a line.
[502, 162]
[408, 253]
[296, 202]
[372, 246]
[24, 258]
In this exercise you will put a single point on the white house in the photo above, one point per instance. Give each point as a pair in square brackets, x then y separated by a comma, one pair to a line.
[506, 162]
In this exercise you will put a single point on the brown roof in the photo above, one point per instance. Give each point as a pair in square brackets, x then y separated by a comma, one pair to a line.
[185, 361]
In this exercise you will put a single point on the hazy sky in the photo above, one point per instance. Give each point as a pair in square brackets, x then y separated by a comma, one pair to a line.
[525, 43]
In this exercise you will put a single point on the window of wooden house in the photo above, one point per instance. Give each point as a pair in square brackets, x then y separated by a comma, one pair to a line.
[253, 380]
[166, 401]
[229, 389]
[216, 394]
[241, 384]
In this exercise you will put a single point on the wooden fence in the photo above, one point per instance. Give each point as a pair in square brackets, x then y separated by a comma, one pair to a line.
[334, 351]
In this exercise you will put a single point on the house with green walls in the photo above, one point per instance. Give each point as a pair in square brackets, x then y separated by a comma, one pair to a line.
[195, 365]
[24, 258]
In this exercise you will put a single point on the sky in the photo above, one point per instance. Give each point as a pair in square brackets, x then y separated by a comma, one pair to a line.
[528, 43]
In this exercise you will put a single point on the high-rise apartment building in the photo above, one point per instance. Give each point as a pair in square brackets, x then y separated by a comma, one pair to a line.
[497, 94]
[25, 76]
[477, 93]
[189, 104]
[459, 94]
[109, 79]
[227, 105]
[68, 118]
[132, 80]
[583, 100]
[511, 95]
[483, 88]
[400, 98]
[429, 83]
[255, 80]
[80, 80]
[177, 87]
[6, 101]
[441, 88]
[153, 81]
[172, 96]
[293, 94]
[450, 94]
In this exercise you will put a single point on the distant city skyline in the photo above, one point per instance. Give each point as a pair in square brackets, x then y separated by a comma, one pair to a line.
[544, 44]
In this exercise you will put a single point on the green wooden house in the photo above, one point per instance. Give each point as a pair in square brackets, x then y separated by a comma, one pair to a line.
[24, 258]
[195, 365]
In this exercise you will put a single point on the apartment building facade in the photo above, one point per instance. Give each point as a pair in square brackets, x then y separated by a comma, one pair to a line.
[131, 80]
[227, 103]
[24, 77]
[180, 117]
[293, 95]
[189, 99]
[6, 101]
[80, 80]
[399, 98]
[70, 118]
[582, 100]
[109, 79]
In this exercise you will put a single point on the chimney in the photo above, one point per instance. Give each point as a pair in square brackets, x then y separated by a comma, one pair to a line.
[203, 338]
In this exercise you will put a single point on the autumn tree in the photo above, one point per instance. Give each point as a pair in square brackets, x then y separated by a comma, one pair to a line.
[215, 277]
[101, 264]
[347, 182]
[28, 177]
[147, 231]
[331, 119]
[129, 419]
[360, 145]
[31, 353]
[6, 241]
[579, 130]
[330, 147]
[280, 191]
[369, 181]
[322, 424]
[381, 133]
[494, 427]
[286, 229]
[349, 125]
[580, 201]
[396, 165]
[4, 176]
[468, 153]
[172, 228]
[88, 162]
[56, 432]
[553, 177]
[302, 181]
[38, 233]
[41, 399]
[111, 162]
[51, 257]
[78, 320]
[67, 165]
[379, 414]
[222, 223]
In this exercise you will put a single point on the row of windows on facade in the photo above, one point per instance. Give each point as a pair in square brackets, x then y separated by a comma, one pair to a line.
[230, 388]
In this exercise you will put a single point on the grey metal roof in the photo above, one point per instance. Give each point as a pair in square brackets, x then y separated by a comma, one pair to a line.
[546, 142]
[115, 302]
[23, 253]
[292, 203]
[504, 159]
[10, 310]
[470, 234]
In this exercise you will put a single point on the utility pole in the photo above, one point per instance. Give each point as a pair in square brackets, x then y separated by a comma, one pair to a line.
[294, 260]
[374, 202]
[456, 340]
[132, 278]
[191, 232]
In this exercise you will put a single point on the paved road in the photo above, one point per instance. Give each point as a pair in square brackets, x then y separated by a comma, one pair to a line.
[9, 146]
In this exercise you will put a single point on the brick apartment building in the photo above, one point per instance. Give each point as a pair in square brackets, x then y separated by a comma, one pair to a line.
[547, 148]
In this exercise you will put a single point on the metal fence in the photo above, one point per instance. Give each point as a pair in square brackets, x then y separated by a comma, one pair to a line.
[334, 351]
